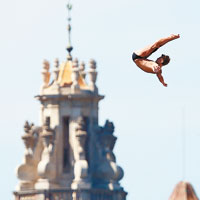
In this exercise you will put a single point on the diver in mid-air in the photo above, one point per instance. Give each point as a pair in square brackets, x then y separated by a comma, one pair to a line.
[150, 66]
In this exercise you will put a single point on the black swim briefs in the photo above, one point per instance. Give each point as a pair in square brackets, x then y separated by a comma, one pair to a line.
[135, 56]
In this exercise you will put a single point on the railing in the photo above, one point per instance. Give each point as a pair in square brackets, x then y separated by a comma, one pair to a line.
[93, 194]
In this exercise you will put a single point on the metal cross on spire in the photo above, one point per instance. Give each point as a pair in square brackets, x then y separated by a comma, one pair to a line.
[69, 46]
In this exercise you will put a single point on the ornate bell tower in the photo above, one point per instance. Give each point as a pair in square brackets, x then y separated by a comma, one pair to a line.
[69, 156]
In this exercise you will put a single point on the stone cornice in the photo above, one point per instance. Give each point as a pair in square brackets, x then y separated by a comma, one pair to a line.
[76, 97]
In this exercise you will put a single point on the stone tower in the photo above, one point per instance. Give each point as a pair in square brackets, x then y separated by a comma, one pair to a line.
[69, 156]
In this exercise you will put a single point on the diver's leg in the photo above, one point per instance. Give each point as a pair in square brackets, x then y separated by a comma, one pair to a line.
[147, 51]
[163, 41]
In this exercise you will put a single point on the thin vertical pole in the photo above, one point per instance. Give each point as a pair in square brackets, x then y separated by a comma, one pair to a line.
[183, 145]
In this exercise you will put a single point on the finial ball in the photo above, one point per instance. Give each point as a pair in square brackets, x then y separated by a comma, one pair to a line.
[69, 6]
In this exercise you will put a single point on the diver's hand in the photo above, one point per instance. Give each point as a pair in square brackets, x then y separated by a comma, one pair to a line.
[156, 68]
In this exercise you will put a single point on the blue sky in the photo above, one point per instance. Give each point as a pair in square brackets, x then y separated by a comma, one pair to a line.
[148, 117]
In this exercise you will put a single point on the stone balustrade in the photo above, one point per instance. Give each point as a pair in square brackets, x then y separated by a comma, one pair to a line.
[95, 194]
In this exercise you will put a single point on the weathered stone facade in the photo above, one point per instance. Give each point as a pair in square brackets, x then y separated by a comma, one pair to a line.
[69, 156]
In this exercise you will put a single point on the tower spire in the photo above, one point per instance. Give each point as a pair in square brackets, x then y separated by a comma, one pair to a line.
[69, 46]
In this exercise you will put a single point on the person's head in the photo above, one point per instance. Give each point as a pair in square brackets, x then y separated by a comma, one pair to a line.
[163, 60]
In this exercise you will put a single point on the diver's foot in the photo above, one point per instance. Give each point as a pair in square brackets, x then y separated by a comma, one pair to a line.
[173, 36]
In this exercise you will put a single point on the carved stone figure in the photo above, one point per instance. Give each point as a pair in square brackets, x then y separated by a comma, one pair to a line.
[27, 172]
[81, 164]
[108, 172]
[46, 167]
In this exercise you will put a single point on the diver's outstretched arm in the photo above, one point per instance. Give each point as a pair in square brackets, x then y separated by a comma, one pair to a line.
[145, 52]
[161, 79]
